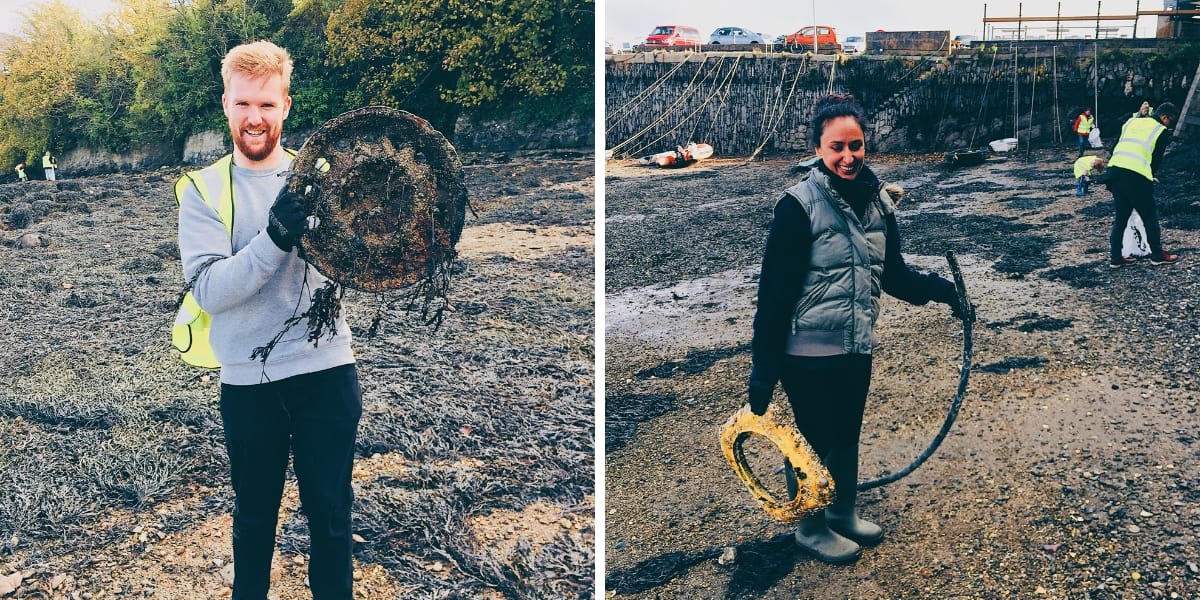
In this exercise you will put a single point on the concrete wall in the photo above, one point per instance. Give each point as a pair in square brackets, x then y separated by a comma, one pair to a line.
[739, 102]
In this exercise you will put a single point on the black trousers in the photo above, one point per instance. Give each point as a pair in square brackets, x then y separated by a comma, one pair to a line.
[828, 395]
[314, 417]
[1131, 191]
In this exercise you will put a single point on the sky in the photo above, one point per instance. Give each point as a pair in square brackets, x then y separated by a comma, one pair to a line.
[631, 20]
[12, 11]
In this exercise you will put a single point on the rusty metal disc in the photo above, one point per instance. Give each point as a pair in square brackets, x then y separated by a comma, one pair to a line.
[387, 190]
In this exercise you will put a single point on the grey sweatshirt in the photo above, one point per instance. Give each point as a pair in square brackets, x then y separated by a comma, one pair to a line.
[254, 287]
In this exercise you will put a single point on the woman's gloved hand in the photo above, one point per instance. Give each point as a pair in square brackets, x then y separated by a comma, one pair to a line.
[966, 313]
[759, 398]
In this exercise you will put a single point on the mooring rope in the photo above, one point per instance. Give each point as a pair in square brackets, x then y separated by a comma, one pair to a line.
[683, 96]
[628, 107]
[664, 114]
[723, 88]
[968, 319]
[779, 118]
[982, 105]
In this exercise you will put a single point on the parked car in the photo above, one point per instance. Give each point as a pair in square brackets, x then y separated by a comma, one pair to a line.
[854, 44]
[735, 35]
[826, 36]
[673, 35]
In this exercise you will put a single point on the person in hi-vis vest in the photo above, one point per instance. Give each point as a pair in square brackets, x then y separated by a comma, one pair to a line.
[1136, 157]
[1083, 127]
[303, 401]
[48, 165]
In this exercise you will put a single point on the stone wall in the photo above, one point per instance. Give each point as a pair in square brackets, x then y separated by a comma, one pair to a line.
[471, 135]
[743, 102]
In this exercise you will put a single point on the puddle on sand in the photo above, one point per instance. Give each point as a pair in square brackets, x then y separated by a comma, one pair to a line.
[707, 312]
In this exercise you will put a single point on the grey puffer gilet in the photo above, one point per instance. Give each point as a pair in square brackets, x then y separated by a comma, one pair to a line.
[839, 300]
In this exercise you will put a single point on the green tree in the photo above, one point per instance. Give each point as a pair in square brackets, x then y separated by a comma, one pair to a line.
[40, 80]
[438, 58]
[318, 92]
[188, 97]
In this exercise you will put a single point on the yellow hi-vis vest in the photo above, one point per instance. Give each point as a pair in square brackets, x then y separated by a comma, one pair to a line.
[1135, 148]
[48, 162]
[1085, 125]
[1083, 165]
[189, 334]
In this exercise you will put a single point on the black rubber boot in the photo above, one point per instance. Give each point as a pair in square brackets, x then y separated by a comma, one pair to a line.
[841, 516]
[815, 537]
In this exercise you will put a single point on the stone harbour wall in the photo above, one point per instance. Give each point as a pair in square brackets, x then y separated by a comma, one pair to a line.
[746, 102]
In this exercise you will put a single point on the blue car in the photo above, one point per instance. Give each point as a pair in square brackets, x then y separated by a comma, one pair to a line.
[734, 35]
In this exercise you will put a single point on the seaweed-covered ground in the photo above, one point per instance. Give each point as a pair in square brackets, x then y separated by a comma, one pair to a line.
[475, 468]
[1072, 471]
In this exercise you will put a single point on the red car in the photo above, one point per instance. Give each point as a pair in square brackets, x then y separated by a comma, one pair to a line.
[673, 35]
[826, 36]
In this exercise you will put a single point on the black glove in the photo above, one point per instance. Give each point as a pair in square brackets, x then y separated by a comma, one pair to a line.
[287, 220]
[966, 313]
[759, 398]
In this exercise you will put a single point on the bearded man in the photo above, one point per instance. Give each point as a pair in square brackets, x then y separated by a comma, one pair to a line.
[239, 229]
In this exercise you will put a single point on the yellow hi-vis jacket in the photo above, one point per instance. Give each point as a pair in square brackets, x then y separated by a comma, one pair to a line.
[48, 161]
[1135, 148]
[1083, 166]
[189, 334]
[1085, 125]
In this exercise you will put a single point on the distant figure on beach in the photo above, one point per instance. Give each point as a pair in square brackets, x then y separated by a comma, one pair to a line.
[48, 165]
[832, 249]
[20, 169]
[1083, 128]
[1138, 154]
[1086, 167]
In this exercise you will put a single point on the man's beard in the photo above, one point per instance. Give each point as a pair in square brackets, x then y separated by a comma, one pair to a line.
[270, 139]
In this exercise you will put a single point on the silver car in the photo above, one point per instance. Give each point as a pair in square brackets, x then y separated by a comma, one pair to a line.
[854, 44]
[734, 35]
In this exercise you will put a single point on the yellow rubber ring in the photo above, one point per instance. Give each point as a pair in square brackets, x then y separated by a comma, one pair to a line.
[815, 489]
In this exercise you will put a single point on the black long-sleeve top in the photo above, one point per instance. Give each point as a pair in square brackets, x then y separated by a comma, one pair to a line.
[786, 262]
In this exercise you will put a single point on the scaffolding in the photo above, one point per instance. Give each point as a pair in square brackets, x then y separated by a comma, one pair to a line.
[1173, 17]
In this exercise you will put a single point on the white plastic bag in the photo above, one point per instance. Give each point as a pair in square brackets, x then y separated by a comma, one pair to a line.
[1094, 138]
[1134, 244]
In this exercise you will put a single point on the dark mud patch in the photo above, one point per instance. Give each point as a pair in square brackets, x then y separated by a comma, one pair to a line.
[1079, 276]
[933, 233]
[1025, 254]
[696, 361]
[1029, 203]
[1029, 322]
[654, 572]
[1099, 210]
[1008, 365]
[758, 567]
[623, 413]
[1059, 218]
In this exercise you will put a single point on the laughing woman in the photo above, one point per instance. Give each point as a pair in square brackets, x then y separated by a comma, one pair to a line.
[833, 247]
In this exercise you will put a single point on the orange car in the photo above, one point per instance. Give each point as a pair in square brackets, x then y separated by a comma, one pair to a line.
[826, 36]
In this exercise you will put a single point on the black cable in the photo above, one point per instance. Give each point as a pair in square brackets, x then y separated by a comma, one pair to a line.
[968, 318]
